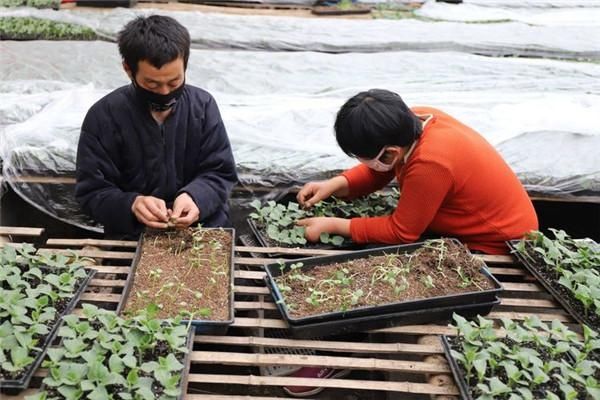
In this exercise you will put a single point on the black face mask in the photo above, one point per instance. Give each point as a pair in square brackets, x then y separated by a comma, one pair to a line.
[157, 101]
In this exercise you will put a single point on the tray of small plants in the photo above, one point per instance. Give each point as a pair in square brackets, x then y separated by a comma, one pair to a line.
[184, 271]
[533, 360]
[274, 224]
[35, 292]
[568, 268]
[381, 287]
[104, 356]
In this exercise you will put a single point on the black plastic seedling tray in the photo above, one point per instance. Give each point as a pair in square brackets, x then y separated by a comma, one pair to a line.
[186, 366]
[389, 320]
[549, 286]
[459, 378]
[202, 326]
[14, 387]
[416, 307]
[265, 242]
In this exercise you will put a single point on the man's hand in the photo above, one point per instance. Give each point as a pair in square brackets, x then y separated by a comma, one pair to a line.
[185, 211]
[314, 192]
[317, 225]
[150, 211]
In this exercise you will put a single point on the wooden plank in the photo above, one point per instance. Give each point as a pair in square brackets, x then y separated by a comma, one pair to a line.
[117, 255]
[111, 269]
[523, 315]
[299, 360]
[251, 289]
[259, 275]
[255, 261]
[508, 271]
[515, 302]
[567, 199]
[20, 231]
[107, 282]
[406, 387]
[496, 259]
[335, 346]
[420, 330]
[255, 305]
[101, 297]
[91, 242]
[58, 180]
[522, 287]
[259, 323]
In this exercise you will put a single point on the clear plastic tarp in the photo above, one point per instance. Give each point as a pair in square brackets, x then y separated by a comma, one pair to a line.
[279, 107]
[219, 31]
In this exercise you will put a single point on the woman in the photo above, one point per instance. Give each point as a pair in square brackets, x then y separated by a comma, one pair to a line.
[452, 181]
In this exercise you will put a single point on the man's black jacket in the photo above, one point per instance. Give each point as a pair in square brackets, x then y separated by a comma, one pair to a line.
[123, 152]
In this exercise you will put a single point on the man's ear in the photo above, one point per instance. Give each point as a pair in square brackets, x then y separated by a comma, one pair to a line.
[128, 70]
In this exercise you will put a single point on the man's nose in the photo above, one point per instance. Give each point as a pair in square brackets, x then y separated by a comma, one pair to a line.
[163, 89]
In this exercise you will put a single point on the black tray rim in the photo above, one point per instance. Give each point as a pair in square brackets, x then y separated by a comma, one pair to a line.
[195, 322]
[546, 284]
[459, 378]
[382, 321]
[380, 309]
[186, 365]
[23, 383]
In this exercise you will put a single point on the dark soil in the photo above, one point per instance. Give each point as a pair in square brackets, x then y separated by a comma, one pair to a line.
[177, 277]
[539, 392]
[60, 305]
[550, 277]
[418, 265]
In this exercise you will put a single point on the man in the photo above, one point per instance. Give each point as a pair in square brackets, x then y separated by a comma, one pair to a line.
[154, 153]
[452, 181]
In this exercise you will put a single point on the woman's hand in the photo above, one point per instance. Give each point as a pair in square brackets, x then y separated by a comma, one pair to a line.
[317, 225]
[314, 192]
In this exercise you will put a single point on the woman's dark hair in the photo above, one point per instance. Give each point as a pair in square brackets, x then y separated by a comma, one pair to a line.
[372, 120]
[157, 39]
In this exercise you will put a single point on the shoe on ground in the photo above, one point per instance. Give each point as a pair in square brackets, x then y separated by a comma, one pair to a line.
[313, 372]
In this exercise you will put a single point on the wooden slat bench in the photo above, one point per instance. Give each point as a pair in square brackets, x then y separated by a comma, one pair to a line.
[392, 363]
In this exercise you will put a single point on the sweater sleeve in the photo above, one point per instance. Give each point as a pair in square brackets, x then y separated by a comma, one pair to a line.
[96, 175]
[216, 173]
[424, 188]
[362, 180]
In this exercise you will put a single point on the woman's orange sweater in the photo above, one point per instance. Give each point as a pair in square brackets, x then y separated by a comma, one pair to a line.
[454, 183]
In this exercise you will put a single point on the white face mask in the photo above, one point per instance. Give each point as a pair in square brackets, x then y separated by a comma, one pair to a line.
[377, 165]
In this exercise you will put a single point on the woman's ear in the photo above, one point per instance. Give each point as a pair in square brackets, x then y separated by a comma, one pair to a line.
[393, 153]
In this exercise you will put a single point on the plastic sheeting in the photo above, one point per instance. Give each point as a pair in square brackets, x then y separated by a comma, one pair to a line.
[279, 107]
[534, 3]
[466, 12]
[312, 34]
[271, 100]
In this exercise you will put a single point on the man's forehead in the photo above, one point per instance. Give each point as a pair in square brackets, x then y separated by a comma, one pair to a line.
[166, 72]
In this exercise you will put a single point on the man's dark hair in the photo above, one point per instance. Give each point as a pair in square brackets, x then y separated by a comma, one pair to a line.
[157, 39]
[372, 120]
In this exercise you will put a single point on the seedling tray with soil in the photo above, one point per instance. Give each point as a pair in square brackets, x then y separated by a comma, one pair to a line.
[187, 272]
[568, 268]
[274, 224]
[393, 284]
[35, 292]
[533, 361]
[103, 356]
